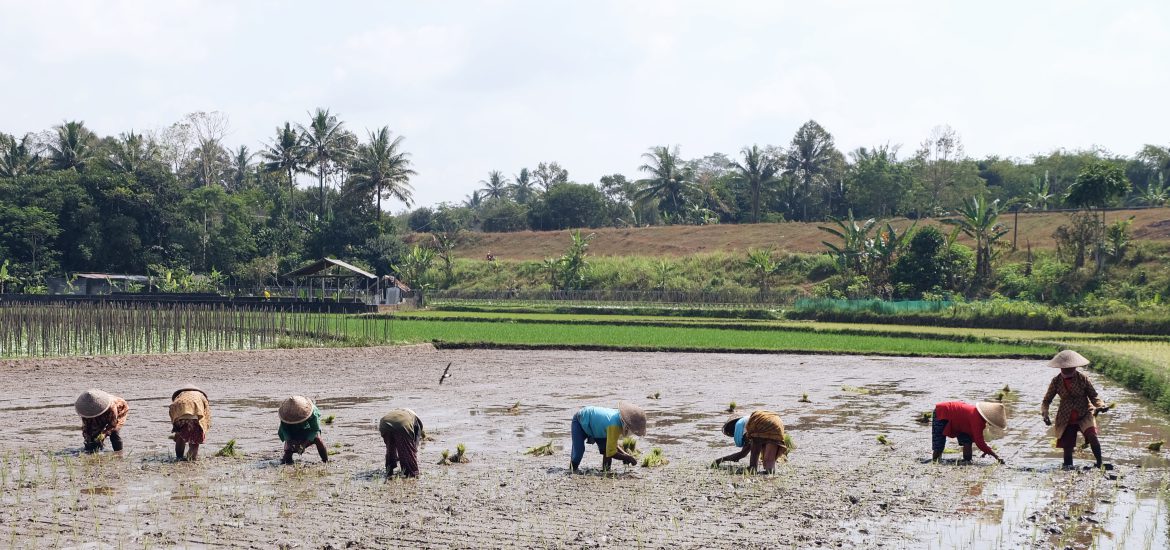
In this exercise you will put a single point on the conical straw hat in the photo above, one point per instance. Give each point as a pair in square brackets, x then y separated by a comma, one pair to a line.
[994, 413]
[295, 409]
[93, 403]
[188, 387]
[1068, 359]
[633, 418]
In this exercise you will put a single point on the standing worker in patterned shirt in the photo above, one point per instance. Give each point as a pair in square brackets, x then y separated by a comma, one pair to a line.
[102, 415]
[1079, 405]
[761, 434]
[966, 423]
[190, 420]
[605, 426]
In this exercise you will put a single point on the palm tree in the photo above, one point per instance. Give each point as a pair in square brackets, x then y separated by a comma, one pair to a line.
[979, 220]
[1155, 193]
[131, 152]
[382, 169]
[671, 181]
[327, 142]
[285, 154]
[523, 188]
[474, 200]
[851, 253]
[757, 171]
[74, 146]
[17, 158]
[241, 165]
[496, 186]
[810, 161]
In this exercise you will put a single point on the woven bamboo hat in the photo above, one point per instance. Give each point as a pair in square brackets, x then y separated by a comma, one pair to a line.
[994, 413]
[93, 403]
[295, 409]
[1068, 359]
[633, 418]
[729, 426]
[188, 387]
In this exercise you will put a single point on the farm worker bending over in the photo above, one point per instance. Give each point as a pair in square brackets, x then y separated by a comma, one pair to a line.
[760, 433]
[1079, 405]
[300, 426]
[401, 430]
[190, 420]
[966, 423]
[102, 415]
[605, 426]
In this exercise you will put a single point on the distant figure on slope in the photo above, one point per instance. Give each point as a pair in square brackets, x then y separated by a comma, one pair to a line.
[300, 426]
[190, 421]
[401, 430]
[102, 415]
[966, 423]
[760, 434]
[1079, 405]
[605, 427]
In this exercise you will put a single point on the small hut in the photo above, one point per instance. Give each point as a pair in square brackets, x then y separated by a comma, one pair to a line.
[332, 279]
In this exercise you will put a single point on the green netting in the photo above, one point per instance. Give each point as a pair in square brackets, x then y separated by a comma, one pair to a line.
[876, 306]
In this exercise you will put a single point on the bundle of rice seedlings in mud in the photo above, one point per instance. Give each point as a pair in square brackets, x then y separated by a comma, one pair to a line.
[654, 459]
[925, 417]
[883, 440]
[229, 450]
[328, 420]
[446, 459]
[1155, 446]
[788, 442]
[655, 395]
[804, 398]
[515, 408]
[541, 450]
[460, 454]
[731, 407]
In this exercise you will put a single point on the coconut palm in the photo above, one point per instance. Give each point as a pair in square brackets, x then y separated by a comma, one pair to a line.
[523, 188]
[495, 186]
[73, 147]
[851, 253]
[241, 165]
[130, 153]
[671, 182]
[382, 169]
[979, 220]
[758, 170]
[810, 161]
[474, 200]
[327, 143]
[18, 158]
[285, 154]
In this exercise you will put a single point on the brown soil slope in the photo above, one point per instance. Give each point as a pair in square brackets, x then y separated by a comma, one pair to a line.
[1148, 224]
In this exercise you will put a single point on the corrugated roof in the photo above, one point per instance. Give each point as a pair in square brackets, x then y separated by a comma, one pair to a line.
[113, 277]
[325, 263]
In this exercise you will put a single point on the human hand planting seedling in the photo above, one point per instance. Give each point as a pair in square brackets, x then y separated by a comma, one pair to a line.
[759, 434]
[402, 430]
[966, 423]
[605, 427]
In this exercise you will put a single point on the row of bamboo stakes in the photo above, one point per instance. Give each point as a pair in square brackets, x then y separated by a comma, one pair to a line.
[72, 329]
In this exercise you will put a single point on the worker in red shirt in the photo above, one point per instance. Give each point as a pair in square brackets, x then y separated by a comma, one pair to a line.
[966, 423]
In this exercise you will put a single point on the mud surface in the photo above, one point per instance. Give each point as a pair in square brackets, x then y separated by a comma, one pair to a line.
[841, 487]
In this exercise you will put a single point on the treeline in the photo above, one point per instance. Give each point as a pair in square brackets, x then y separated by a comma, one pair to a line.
[182, 199]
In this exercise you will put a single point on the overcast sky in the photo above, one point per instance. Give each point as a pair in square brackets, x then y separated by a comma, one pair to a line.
[477, 86]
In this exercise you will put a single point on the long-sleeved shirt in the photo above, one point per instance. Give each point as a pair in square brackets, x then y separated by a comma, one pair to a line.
[1078, 399]
[963, 418]
[108, 422]
[602, 423]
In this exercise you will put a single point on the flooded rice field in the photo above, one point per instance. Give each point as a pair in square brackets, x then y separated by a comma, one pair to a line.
[840, 488]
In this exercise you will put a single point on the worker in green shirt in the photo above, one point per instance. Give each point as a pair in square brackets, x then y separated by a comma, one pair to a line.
[300, 427]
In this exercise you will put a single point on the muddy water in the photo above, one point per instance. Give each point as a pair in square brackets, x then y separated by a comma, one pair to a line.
[841, 488]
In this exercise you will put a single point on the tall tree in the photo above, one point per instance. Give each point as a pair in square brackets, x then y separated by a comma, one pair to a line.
[285, 154]
[758, 170]
[382, 168]
[1098, 185]
[18, 158]
[495, 186]
[878, 183]
[810, 162]
[548, 174]
[327, 144]
[131, 153]
[670, 183]
[979, 219]
[241, 167]
[73, 147]
[523, 189]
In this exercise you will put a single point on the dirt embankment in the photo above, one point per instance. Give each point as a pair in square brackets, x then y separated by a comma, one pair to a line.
[841, 488]
[685, 240]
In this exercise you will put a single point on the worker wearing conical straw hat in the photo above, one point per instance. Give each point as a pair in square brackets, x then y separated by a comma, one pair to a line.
[1079, 405]
[401, 430]
[102, 416]
[300, 427]
[190, 420]
[761, 434]
[605, 426]
[966, 423]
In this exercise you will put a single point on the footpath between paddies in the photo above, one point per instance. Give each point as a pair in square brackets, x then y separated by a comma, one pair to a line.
[1141, 363]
